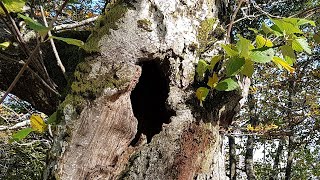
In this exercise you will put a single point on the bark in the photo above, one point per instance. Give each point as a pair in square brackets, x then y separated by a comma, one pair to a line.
[249, 158]
[232, 160]
[289, 159]
[277, 159]
[97, 125]
[249, 165]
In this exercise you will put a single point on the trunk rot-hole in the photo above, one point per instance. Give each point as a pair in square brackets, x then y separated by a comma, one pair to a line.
[148, 100]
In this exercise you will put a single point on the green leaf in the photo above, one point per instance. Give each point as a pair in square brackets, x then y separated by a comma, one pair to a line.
[13, 6]
[229, 50]
[227, 85]
[52, 119]
[70, 41]
[261, 42]
[262, 55]
[276, 30]
[234, 65]
[42, 30]
[300, 44]
[266, 29]
[306, 21]
[4, 45]
[201, 94]
[21, 134]
[214, 61]
[243, 46]
[248, 68]
[287, 25]
[288, 54]
[201, 69]
[316, 37]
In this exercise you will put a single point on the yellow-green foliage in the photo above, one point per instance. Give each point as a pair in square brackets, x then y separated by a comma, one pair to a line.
[204, 31]
[104, 24]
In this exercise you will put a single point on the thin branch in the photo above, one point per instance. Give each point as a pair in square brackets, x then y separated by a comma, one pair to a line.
[16, 126]
[33, 52]
[232, 20]
[33, 72]
[59, 63]
[255, 5]
[75, 25]
[309, 11]
[20, 73]
[57, 13]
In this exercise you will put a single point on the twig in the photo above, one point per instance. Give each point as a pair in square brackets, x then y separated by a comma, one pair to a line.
[16, 126]
[32, 54]
[310, 10]
[59, 63]
[76, 24]
[255, 5]
[232, 20]
[20, 73]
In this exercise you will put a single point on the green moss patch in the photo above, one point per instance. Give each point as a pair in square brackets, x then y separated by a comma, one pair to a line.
[104, 24]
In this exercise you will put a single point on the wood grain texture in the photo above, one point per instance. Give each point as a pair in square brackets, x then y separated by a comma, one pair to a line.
[103, 133]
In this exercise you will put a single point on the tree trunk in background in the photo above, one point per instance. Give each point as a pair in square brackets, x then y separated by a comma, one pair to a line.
[232, 158]
[108, 129]
[249, 158]
[289, 158]
[277, 160]
[250, 141]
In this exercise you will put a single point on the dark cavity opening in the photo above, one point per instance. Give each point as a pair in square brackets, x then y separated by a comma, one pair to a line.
[149, 101]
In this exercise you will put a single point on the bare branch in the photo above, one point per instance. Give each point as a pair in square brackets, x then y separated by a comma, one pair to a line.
[75, 25]
[59, 63]
[232, 20]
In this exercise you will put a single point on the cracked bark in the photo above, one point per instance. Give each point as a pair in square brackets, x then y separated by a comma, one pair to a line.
[97, 124]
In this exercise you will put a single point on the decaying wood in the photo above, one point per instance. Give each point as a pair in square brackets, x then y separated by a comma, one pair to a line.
[93, 142]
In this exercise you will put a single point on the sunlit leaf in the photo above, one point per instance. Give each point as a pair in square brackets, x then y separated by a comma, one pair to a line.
[250, 127]
[227, 85]
[261, 42]
[231, 51]
[287, 25]
[37, 123]
[42, 30]
[283, 63]
[4, 45]
[248, 68]
[70, 41]
[212, 82]
[13, 6]
[214, 61]
[234, 65]
[201, 69]
[243, 46]
[300, 44]
[21, 134]
[201, 94]
[262, 55]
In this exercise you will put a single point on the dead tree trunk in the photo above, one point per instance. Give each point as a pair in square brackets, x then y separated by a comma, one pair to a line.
[159, 131]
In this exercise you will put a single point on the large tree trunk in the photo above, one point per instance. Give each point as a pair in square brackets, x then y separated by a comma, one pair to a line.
[107, 132]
